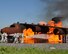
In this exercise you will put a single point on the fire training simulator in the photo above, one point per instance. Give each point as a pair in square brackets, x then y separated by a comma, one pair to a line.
[36, 28]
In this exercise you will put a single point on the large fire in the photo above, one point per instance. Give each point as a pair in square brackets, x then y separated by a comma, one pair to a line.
[53, 38]
[28, 32]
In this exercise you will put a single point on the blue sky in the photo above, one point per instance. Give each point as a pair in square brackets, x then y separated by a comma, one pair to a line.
[30, 11]
[12, 11]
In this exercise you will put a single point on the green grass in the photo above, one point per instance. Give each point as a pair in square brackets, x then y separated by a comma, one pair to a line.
[27, 50]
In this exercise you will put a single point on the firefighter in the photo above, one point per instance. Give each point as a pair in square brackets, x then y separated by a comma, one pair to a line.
[16, 35]
[4, 37]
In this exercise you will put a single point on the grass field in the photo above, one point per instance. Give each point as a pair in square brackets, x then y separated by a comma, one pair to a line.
[32, 50]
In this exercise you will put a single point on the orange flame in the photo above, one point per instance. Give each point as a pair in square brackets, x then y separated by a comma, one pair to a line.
[52, 37]
[28, 32]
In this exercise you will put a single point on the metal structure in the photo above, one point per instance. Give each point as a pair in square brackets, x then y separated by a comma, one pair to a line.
[19, 27]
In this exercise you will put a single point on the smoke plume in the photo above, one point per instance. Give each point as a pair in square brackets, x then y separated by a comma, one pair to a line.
[57, 8]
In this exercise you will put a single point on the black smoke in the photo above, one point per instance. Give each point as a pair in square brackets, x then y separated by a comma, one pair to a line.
[56, 8]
